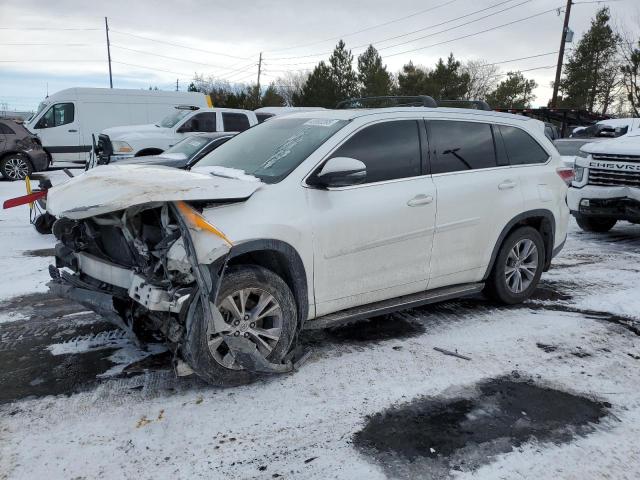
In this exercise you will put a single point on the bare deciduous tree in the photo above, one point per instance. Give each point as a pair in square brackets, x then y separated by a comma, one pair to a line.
[289, 86]
[483, 78]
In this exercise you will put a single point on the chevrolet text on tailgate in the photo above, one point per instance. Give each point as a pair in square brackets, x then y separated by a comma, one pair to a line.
[311, 220]
[606, 187]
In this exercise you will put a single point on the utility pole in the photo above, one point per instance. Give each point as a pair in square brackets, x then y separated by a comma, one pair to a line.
[106, 29]
[177, 87]
[259, 71]
[565, 29]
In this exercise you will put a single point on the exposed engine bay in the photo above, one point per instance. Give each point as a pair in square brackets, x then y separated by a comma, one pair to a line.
[142, 269]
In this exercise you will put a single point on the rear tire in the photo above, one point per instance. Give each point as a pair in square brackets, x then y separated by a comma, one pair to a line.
[210, 363]
[595, 224]
[16, 166]
[517, 268]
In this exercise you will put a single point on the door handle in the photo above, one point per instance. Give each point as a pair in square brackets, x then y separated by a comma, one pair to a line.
[421, 199]
[507, 184]
[73, 130]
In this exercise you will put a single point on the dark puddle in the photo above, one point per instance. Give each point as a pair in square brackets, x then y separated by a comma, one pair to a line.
[373, 330]
[43, 252]
[429, 437]
[550, 292]
[29, 369]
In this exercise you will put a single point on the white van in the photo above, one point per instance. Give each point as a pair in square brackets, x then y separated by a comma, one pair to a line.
[65, 120]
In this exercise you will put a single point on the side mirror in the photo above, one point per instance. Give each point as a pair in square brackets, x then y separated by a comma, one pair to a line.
[341, 172]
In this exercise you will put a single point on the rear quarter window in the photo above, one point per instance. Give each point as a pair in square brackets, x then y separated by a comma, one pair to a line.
[522, 148]
[235, 122]
[6, 130]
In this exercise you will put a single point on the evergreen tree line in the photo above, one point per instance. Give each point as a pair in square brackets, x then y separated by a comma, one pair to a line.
[601, 73]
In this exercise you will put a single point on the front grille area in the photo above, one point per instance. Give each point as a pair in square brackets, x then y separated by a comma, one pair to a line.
[617, 158]
[613, 178]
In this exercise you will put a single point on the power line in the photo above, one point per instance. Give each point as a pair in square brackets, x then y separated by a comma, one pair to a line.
[473, 34]
[178, 45]
[51, 28]
[168, 57]
[49, 61]
[420, 12]
[52, 44]
[423, 29]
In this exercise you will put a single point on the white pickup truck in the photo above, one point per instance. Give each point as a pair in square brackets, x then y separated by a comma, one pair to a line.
[606, 187]
[118, 143]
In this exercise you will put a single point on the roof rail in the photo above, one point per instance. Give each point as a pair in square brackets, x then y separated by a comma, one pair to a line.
[186, 107]
[388, 101]
[476, 104]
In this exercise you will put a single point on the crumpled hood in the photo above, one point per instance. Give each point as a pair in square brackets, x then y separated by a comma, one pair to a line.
[625, 145]
[110, 188]
[133, 132]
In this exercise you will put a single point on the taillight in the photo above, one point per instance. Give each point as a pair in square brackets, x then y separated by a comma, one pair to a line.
[567, 174]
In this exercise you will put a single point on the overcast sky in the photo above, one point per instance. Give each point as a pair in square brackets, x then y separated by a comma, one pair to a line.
[68, 49]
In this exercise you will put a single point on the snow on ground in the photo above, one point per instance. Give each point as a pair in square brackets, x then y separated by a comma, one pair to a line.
[302, 425]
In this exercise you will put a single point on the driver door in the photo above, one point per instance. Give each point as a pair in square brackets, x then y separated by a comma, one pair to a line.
[59, 132]
[372, 241]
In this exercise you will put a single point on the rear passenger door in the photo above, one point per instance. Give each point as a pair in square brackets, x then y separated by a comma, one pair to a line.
[372, 241]
[235, 122]
[478, 193]
[526, 155]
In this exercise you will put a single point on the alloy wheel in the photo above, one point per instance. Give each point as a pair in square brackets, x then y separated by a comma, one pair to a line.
[16, 168]
[252, 313]
[521, 265]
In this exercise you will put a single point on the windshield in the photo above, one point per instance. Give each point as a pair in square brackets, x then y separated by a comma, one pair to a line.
[273, 149]
[171, 120]
[188, 146]
[40, 108]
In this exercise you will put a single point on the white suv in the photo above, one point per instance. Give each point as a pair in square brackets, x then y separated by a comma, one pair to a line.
[312, 220]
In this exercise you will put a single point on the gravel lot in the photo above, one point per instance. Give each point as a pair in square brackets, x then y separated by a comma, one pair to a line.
[551, 389]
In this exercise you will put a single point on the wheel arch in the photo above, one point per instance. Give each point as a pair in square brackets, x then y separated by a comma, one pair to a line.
[542, 220]
[282, 259]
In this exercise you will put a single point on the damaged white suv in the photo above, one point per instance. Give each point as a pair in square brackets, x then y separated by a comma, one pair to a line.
[312, 220]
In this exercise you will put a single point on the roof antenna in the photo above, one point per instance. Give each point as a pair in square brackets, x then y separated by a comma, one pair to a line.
[47, 90]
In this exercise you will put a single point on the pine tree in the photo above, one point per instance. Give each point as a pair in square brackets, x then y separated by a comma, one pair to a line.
[343, 75]
[271, 97]
[590, 73]
[448, 81]
[319, 90]
[514, 92]
[374, 78]
[412, 80]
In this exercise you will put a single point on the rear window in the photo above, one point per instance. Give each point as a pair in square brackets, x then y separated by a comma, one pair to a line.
[521, 148]
[263, 116]
[235, 122]
[461, 146]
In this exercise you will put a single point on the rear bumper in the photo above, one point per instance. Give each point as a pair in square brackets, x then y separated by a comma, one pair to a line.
[39, 159]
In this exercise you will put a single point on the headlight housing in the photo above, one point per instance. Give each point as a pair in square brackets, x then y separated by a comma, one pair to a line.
[578, 173]
[121, 147]
[582, 153]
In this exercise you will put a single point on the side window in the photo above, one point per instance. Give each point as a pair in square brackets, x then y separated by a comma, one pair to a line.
[263, 116]
[58, 115]
[235, 122]
[390, 150]
[461, 146]
[521, 148]
[6, 130]
[202, 122]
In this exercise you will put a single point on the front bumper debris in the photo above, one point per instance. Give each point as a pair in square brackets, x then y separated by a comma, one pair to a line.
[621, 208]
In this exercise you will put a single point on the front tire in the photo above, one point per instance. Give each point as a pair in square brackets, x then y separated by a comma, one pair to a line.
[256, 303]
[595, 224]
[518, 267]
[16, 166]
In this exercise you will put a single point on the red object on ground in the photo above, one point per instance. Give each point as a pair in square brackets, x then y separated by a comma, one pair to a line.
[32, 197]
